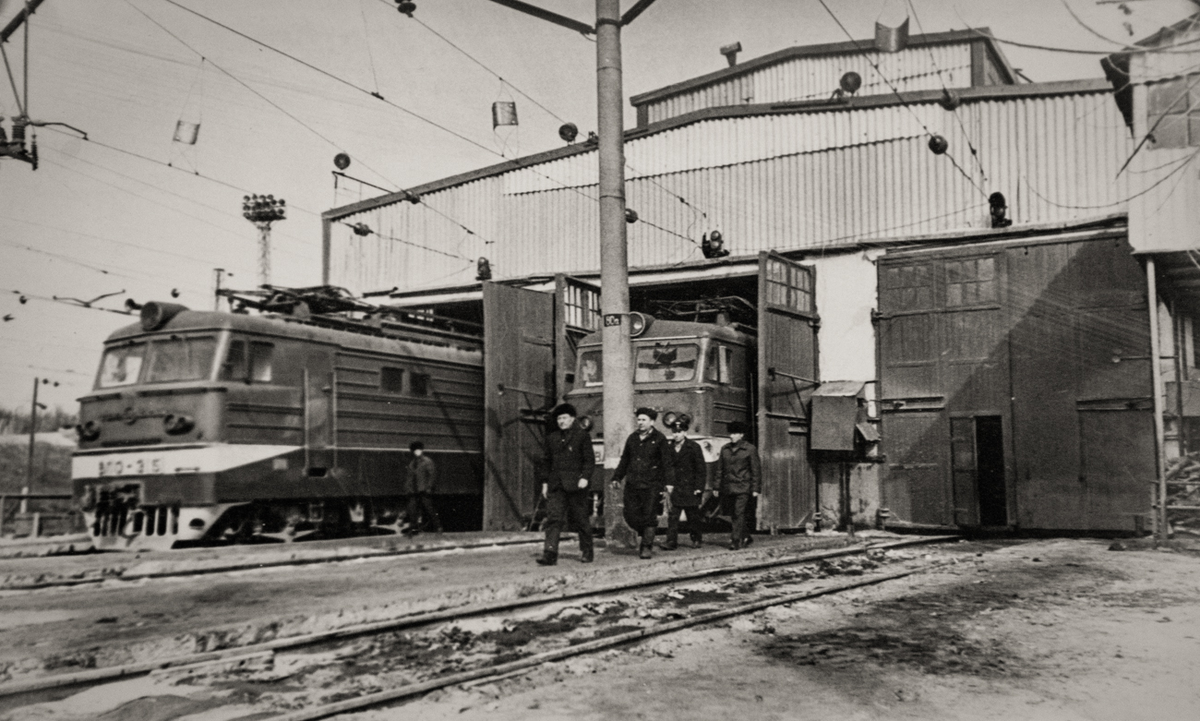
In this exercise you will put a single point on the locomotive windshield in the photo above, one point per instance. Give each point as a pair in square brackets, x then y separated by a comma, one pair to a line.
[591, 369]
[181, 359]
[666, 362]
[163, 361]
[121, 366]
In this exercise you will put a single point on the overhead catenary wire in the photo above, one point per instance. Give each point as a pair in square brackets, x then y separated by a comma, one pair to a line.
[361, 89]
[290, 115]
[385, 236]
[898, 95]
[953, 108]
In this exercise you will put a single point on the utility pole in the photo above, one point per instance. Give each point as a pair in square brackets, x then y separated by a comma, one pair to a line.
[33, 409]
[262, 210]
[617, 360]
[218, 274]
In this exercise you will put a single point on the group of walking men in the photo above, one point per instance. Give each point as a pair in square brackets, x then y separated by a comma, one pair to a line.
[653, 470]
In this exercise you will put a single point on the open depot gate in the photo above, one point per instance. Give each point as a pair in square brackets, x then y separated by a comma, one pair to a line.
[530, 339]
[787, 375]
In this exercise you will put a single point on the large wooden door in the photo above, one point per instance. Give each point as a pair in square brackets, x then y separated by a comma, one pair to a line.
[787, 375]
[519, 387]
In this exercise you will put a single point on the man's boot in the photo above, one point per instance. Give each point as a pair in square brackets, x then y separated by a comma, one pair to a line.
[587, 556]
[644, 553]
[548, 558]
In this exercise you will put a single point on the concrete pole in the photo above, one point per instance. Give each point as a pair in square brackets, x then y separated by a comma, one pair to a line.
[614, 260]
[32, 440]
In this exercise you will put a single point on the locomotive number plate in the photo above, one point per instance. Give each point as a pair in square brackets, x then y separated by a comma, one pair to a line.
[131, 466]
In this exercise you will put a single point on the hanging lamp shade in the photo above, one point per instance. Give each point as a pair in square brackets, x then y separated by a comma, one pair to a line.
[504, 112]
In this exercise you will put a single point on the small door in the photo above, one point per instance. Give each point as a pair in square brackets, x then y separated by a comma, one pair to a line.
[787, 376]
[519, 387]
[320, 400]
[977, 467]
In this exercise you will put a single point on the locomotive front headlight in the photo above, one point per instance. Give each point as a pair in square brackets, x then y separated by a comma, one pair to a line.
[89, 431]
[669, 418]
[585, 422]
[175, 425]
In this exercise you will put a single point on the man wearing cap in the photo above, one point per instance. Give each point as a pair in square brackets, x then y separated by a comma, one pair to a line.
[647, 469]
[690, 478]
[568, 464]
[419, 487]
[739, 477]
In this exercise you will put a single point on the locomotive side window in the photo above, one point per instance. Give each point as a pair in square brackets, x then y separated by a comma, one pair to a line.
[391, 380]
[666, 362]
[591, 369]
[121, 366]
[234, 367]
[718, 364]
[181, 359]
[419, 384]
[260, 361]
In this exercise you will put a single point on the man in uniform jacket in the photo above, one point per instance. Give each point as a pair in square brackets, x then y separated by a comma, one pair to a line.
[568, 463]
[690, 480]
[646, 467]
[739, 475]
[418, 482]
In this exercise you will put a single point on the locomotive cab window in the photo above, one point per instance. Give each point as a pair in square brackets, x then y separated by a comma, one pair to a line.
[666, 362]
[591, 369]
[181, 359]
[718, 364]
[419, 384]
[248, 361]
[121, 366]
[391, 380]
[260, 361]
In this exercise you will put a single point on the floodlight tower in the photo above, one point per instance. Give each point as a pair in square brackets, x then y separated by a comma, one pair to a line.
[262, 210]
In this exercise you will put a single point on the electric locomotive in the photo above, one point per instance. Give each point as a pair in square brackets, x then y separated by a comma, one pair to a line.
[226, 426]
[701, 370]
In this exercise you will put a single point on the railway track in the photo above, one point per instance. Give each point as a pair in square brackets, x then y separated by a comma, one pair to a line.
[412, 655]
[115, 567]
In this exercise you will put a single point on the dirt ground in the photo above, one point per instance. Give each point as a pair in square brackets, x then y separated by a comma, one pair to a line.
[1048, 629]
[1056, 630]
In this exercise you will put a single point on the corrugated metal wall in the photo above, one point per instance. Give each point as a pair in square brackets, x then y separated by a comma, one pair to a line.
[808, 78]
[781, 182]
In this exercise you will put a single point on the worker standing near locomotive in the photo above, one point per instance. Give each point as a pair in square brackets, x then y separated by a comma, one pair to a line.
[739, 478]
[647, 468]
[690, 477]
[569, 464]
[419, 479]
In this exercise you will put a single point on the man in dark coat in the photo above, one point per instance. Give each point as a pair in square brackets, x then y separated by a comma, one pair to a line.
[418, 482]
[568, 463]
[647, 469]
[739, 475]
[690, 479]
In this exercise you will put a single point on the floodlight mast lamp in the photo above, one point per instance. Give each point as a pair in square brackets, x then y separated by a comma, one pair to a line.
[617, 359]
[262, 210]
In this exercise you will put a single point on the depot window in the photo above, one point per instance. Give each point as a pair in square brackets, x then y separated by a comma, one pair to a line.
[666, 362]
[181, 359]
[121, 366]
[418, 384]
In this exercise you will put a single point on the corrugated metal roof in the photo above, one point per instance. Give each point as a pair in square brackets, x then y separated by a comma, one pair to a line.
[807, 78]
[767, 180]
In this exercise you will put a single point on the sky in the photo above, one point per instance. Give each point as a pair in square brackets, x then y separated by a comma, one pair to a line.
[130, 212]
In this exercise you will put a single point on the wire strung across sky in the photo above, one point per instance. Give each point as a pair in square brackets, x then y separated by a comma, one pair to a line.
[953, 105]
[899, 97]
[380, 97]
